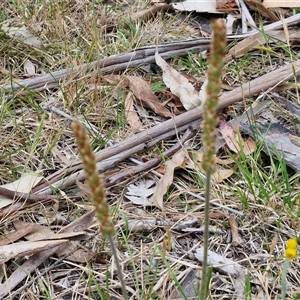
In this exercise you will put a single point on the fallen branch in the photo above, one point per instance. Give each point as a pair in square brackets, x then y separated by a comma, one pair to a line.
[167, 128]
[129, 172]
[112, 64]
[138, 57]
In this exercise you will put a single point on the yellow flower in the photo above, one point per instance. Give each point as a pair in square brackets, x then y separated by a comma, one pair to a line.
[290, 253]
[292, 243]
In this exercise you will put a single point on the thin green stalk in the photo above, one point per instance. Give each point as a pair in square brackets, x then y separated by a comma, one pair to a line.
[210, 121]
[285, 267]
[203, 288]
[119, 270]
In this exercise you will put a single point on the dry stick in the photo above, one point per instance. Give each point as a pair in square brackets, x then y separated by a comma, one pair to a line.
[129, 172]
[56, 180]
[24, 196]
[254, 87]
[114, 63]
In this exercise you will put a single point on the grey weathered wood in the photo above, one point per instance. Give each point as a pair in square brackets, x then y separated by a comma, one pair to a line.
[277, 140]
[181, 122]
[114, 63]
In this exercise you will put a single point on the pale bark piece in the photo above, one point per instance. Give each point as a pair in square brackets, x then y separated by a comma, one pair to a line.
[43, 232]
[22, 185]
[281, 3]
[78, 225]
[167, 179]
[179, 85]
[22, 249]
[22, 34]
[226, 266]
[29, 68]
[142, 91]
[22, 272]
[140, 225]
[276, 140]
[189, 286]
[131, 114]
[220, 263]
[199, 6]
[295, 140]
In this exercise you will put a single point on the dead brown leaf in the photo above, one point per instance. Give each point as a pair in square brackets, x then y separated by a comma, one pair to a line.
[249, 146]
[167, 179]
[246, 45]
[42, 232]
[142, 91]
[131, 115]
[258, 6]
[16, 235]
[39, 232]
[118, 80]
[195, 164]
[227, 6]
[221, 174]
[180, 86]
[232, 139]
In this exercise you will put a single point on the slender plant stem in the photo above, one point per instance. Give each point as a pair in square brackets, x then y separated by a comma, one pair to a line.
[119, 270]
[203, 287]
[285, 267]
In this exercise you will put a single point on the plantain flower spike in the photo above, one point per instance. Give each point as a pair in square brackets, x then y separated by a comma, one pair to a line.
[213, 89]
[92, 179]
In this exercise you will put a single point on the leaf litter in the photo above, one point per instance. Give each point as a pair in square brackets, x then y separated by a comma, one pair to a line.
[176, 222]
[141, 192]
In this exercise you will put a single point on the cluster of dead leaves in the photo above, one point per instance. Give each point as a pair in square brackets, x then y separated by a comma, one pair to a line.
[182, 96]
[41, 243]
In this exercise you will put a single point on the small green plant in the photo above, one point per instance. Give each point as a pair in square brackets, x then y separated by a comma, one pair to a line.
[290, 253]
